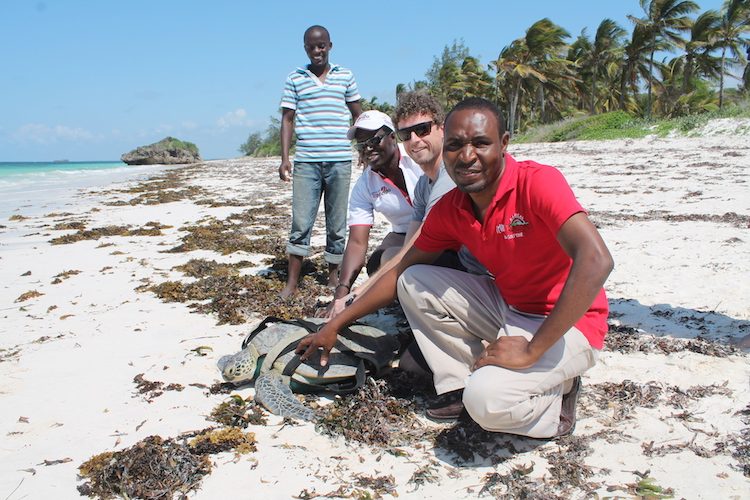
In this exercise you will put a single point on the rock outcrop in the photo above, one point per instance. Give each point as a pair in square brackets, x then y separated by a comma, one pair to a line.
[168, 151]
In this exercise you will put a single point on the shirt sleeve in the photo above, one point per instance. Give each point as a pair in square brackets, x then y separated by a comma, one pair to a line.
[419, 202]
[352, 92]
[289, 96]
[442, 185]
[361, 210]
[436, 235]
[553, 199]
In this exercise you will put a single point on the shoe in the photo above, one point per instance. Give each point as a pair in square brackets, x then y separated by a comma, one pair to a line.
[448, 406]
[568, 409]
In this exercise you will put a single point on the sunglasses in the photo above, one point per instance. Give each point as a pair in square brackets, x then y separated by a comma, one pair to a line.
[420, 129]
[372, 142]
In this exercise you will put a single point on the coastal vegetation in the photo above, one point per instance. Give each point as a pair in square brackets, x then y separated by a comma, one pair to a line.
[669, 72]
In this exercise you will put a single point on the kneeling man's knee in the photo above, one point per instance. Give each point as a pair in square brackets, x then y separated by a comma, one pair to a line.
[497, 409]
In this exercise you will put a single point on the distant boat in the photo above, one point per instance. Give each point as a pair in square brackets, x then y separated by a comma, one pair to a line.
[61, 161]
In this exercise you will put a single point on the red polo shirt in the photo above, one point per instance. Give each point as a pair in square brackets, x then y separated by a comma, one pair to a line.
[517, 242]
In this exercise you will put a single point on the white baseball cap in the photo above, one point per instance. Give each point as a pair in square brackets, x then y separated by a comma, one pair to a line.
[370, 120]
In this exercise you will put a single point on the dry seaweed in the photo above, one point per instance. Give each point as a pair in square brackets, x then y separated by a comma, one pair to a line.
[427, 473]
[153, 468]
[566, 466]
[372, 416]
[201, 268]
[31, 294]
[61, 226]
[624, 397]
[730, 218]
[233, 234]
[149, 229]
[626, 340]
[64, 275]
[517, 484]
[234, 299]
[238, 412]
[151, 390]
[212, 441]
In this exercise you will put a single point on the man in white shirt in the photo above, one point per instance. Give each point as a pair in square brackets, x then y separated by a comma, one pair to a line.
[386, 186]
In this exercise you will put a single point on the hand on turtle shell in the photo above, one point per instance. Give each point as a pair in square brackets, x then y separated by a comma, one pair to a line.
[323, 339]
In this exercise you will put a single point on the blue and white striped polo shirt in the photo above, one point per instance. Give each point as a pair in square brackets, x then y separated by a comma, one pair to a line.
[321, 115]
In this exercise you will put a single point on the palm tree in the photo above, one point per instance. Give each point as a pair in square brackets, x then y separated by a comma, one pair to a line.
[734, 24]
[698, 58]
[579, 53]
[532, 59]
[664, 21]
[605, 48]
[634, 64]
[475, 80]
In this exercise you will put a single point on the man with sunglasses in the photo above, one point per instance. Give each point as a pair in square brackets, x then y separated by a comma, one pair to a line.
[316, 103]
[419, 120]
[386, 186]
[513, 344]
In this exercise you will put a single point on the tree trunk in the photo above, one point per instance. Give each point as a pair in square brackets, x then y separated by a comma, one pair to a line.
[650, 80]
[687, 75]
[513, 108]
[623, 86]
[721, 77]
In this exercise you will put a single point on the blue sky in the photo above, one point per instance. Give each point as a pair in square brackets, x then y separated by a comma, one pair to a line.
[90, 80]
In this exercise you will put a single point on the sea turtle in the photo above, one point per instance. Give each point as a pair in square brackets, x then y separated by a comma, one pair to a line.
[273, 342]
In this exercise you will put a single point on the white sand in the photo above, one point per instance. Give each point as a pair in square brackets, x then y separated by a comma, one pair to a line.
[68, 357]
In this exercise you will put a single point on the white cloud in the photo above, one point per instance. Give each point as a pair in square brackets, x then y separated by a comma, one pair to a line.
[45, 134]
[236, 118]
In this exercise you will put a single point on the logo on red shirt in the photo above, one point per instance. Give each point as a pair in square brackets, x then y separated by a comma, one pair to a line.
[517, 220]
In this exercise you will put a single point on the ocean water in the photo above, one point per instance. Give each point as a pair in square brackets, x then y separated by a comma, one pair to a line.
[36, 188]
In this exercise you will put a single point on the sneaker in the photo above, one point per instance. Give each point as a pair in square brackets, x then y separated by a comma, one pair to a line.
[568, 409]
[448, 406]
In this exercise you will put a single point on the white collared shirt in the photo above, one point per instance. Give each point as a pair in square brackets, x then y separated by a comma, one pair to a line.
[373, 193]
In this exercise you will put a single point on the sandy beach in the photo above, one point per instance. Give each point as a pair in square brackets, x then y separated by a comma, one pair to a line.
[96, 353]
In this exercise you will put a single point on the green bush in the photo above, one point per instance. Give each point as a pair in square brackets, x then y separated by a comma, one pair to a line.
[172, 143]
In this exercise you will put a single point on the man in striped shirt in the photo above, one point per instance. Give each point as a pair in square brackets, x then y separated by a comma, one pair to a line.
[317, 102]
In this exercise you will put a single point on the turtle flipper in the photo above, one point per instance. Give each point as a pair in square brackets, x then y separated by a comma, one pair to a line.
[274, 393]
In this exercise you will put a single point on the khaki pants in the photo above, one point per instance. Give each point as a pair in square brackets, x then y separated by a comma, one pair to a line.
[454, 315]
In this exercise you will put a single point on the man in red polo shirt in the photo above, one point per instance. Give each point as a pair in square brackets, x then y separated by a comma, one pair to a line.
[510, 349]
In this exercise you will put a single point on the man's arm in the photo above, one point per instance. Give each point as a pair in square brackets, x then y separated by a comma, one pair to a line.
[287, 126]
[592, 264]
[355, 107]
[380, 294]
[412, 233]
[353, 260]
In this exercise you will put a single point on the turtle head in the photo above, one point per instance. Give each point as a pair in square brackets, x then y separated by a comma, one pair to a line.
[241, 367]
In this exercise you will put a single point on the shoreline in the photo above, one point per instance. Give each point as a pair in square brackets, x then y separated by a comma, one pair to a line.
[652, 407]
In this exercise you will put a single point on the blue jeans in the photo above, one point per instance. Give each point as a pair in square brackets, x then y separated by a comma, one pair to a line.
[309, 182]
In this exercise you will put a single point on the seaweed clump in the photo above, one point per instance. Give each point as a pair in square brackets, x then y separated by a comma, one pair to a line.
[238, 412]
[234, 298]
[157, 468]
[625, 396]
[212, 441]
[149, 229]
[626, 340]
[152, 468]
[31, 294]
[153, 389]
[64, 275]
[517, 484]
[372, 416]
